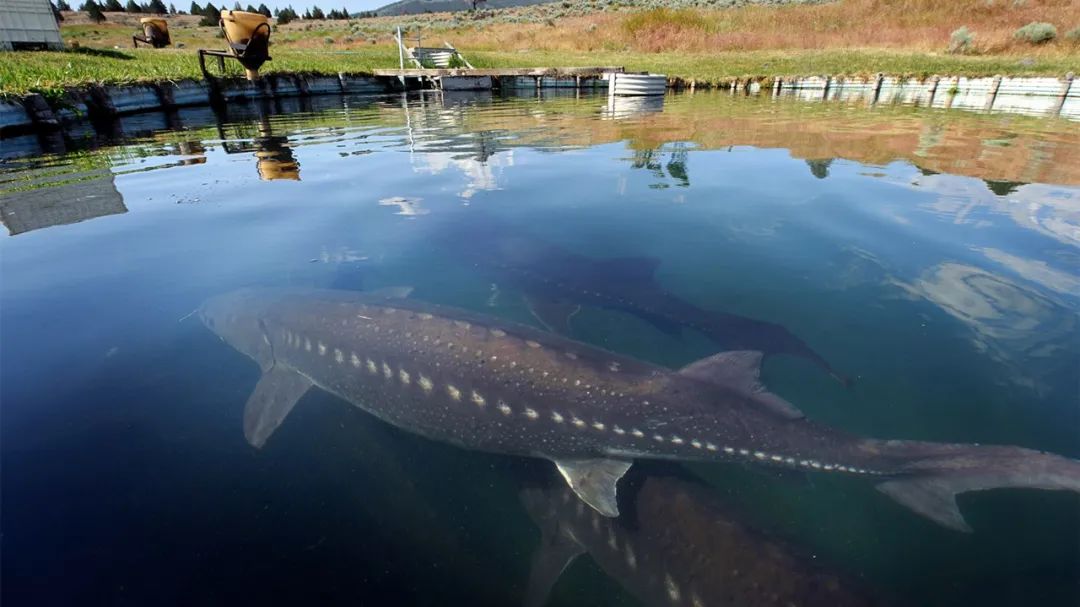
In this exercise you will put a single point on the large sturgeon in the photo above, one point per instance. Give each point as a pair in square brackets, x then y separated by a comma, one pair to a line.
[557, 282]
[684, 547]
[486, 384]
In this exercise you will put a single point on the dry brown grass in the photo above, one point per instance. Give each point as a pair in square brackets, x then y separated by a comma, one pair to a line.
[922, 25]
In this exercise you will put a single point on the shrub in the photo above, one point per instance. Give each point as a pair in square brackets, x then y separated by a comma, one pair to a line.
[962, 41]
[1073, 35]
[1036, 32]
[682, 20]
[328, 40]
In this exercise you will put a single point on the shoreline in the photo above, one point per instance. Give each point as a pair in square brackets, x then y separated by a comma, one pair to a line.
[102, 103]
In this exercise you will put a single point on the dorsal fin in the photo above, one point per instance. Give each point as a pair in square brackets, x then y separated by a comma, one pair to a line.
[740, 370]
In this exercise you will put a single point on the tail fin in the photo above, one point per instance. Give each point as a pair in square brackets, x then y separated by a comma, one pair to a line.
[937, 473]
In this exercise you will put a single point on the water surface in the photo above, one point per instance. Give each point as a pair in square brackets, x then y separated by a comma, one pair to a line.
[930, 256]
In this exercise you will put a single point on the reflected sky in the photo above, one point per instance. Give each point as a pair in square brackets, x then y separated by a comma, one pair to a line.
[929, 256]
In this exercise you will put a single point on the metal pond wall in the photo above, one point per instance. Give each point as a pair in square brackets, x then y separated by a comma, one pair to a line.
[1033, 96]
[33, 112]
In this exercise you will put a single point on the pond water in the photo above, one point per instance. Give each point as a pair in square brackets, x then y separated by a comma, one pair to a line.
[928, 258]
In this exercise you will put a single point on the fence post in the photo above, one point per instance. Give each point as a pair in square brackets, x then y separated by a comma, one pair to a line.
[1069, 78]
[994, 86]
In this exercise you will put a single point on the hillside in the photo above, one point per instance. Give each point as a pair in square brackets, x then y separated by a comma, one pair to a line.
[419, 7]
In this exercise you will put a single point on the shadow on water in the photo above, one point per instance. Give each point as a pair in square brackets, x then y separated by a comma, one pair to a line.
[929, 255]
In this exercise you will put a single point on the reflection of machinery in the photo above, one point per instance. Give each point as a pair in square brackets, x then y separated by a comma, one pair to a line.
[274, 156]
[155, 33]
[248, 35]
[194, 150]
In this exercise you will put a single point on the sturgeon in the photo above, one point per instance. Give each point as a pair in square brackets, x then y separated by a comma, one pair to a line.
[557, 282]
[684, 547]
[486, 384]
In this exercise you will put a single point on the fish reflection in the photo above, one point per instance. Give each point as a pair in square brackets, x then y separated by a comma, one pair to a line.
[683, 548]
[557, 282]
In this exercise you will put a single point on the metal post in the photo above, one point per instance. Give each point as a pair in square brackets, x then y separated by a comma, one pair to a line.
[933, 90]
[1066, 86]
[825, 89]
[401, 58]
[400, 49]
[994, 86]
[877, 88]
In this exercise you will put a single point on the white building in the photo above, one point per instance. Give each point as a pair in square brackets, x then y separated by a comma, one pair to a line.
[28, 24]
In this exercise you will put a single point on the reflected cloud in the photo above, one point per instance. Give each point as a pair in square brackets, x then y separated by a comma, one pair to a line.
[406, 206]
[341, 255]
[480, 174]
[1050, 210]
[1037, 271]
[1008, 322]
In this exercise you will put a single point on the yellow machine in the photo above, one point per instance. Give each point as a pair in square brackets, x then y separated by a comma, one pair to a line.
[155, 33]
[248, 35]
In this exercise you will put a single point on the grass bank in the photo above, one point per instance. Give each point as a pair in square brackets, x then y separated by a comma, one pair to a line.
[713, 44]
[49, 72]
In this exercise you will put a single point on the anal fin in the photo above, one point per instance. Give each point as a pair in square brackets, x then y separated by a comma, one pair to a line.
[555, 315]
[274, 396]
[554, 555]
[594, 481]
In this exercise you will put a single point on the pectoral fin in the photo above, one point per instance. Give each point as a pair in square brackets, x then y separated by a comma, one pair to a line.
[274, 396]
[594, 480]
[934, 498]
[554, 555]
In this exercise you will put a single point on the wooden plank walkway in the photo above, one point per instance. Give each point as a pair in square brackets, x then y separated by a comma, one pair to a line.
[556, 72]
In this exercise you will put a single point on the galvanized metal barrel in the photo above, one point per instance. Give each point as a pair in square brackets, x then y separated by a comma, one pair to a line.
[637, 84]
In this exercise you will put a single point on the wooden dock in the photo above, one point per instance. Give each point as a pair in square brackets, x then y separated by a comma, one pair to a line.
[512, 78]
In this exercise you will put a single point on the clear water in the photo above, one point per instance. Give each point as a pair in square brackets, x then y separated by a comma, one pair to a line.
[930, 256]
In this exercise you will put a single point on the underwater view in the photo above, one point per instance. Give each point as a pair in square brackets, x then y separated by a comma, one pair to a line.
[461, 349]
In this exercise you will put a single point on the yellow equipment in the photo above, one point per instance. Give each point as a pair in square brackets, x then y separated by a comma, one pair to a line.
[155, 33]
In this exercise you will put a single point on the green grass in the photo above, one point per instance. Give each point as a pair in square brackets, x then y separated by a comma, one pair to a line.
[49, 72]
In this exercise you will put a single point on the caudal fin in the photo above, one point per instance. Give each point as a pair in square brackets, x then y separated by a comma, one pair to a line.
[939, 472]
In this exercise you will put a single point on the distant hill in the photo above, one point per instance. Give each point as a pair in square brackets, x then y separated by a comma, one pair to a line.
[413, 7]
